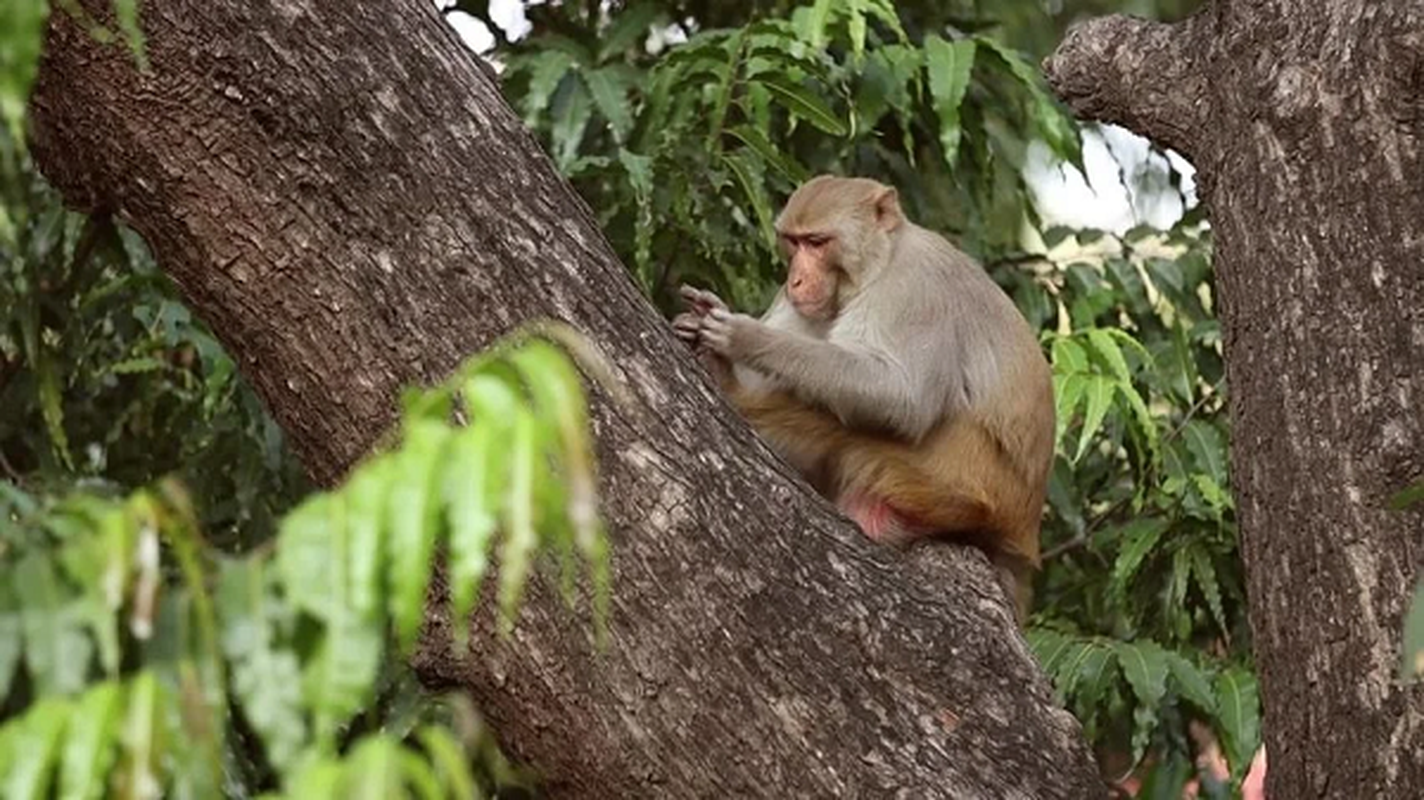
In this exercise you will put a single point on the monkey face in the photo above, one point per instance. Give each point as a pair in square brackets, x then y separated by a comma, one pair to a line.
[812, 276]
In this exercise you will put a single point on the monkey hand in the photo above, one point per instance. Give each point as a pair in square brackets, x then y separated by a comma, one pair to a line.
[688, 327]
[700, 301]
[726, 333]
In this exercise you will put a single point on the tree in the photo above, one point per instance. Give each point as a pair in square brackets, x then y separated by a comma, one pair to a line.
[344, 196]
[1309, 148]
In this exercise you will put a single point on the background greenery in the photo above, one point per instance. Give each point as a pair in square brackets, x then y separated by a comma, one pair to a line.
[684, 125]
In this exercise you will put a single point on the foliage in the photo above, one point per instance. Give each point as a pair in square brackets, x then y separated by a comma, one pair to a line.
[681, 156]
[131, 653]
[684, 153]
[1142, 622]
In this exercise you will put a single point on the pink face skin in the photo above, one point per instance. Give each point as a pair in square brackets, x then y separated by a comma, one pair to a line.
[811, 277]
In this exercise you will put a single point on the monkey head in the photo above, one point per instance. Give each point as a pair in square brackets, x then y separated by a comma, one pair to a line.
[834, 233]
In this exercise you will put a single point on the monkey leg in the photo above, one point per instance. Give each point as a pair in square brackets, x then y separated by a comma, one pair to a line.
[958, 481]
[806, 437]
[956, 484]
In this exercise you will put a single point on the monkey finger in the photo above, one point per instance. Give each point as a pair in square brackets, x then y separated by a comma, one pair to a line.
[700, 299]
[687, 326]
[715, 335]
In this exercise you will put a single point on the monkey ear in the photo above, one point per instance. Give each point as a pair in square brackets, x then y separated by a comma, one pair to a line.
[887, 209]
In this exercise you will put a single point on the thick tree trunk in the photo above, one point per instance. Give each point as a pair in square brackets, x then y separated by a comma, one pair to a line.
[1305, 121]
[340, 190]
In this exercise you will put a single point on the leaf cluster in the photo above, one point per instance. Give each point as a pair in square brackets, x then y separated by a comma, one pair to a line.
[684, 154]
[135, 658]
[1142, 619]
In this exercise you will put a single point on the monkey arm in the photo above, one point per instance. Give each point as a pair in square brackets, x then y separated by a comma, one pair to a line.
[859, 384]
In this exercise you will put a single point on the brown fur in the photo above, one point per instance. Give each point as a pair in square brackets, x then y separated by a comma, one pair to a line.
[960, 481]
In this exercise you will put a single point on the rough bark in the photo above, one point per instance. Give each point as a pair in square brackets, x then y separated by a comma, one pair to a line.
[1305, 121]
[340, 190]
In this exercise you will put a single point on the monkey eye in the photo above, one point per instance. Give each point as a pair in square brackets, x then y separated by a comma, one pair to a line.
[815, 240]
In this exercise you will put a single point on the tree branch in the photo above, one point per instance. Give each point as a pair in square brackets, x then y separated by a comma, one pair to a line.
[347, 229]
[1142, 75]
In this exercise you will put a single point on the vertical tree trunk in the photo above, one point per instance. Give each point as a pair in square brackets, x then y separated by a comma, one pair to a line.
[340, 190]
[1305, 121]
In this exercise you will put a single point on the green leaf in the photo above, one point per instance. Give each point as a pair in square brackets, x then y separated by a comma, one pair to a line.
[1239, 720]
[1106, 348]
[520, 537]
[1097, 673]
[630, 25]
[134, 366]
[1213, 493]
[1137, 540]
[546, 69]
[748, 177]
[1049, 647]
[1408, 497]
[1056, 128]
[1068, 393]
[558, 394]
[126, 13]
[1100, 392]
[413, 520]
[640, 172]
[811, 23]
[91, 743]
[1145, 667]
[1068, 356]
[373, 770]
[11, 631]
[317, 778]
[1144, 424]
[22, 27]
[473, 485]
[855, 29]
[1070, 667]
[451, 765]
[57, 652]
[366, 550]
[609, 89]
[781, 162]
[949, 66]
[266, 678]
[1192, 683]
[803, 103]
[36, 748]
[885, 11]
[145, 731]
[1183, 375]
[417, 773]
[572, 108]
[1411, 664]
[303, 547]
[1208, 448]
[51, 397]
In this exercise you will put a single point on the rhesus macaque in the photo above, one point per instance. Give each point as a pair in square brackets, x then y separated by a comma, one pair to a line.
[895, 375]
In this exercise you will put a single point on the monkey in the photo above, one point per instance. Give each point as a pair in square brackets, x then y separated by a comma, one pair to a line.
[895, 375]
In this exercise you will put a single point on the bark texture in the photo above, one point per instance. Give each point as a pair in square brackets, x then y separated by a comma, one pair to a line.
[1306, 123]
[340, 190]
